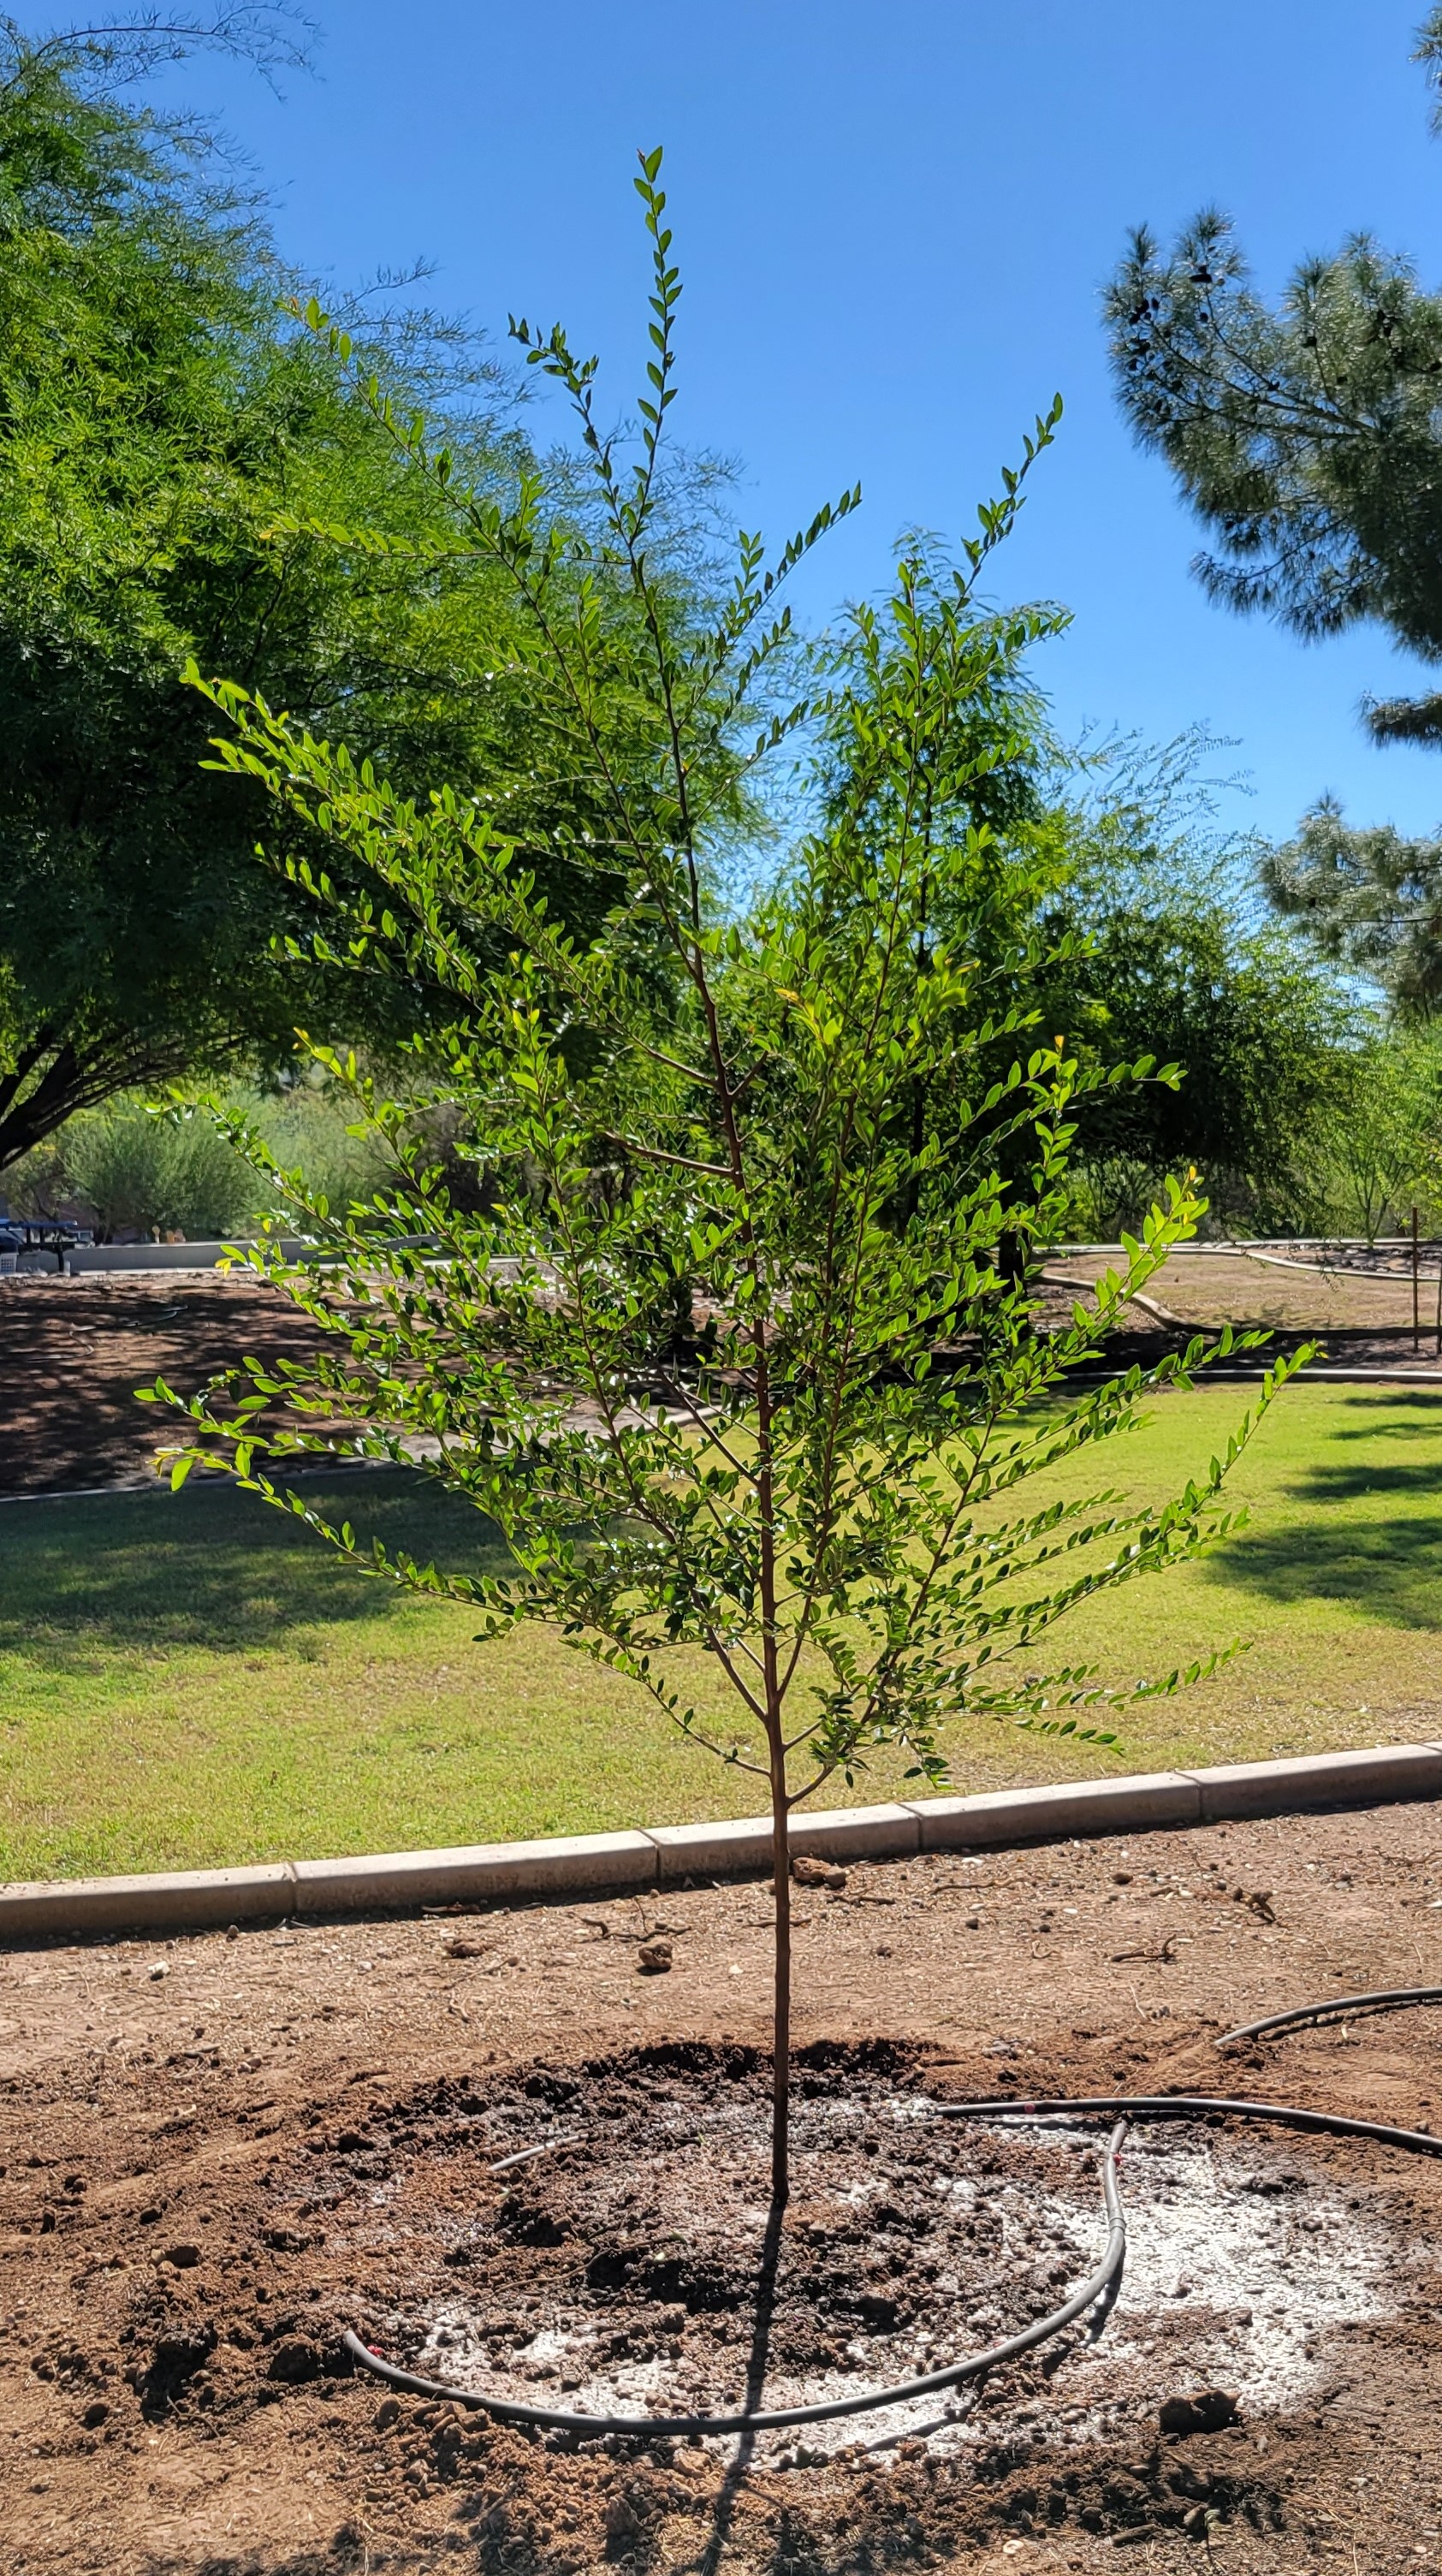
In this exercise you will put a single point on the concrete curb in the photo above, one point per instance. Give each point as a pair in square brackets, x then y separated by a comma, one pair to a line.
[574, 1865]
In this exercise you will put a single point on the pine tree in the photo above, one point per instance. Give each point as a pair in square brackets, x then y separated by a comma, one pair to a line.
[1307, 435]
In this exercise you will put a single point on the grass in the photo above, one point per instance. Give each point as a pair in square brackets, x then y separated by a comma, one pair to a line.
[191, 1679]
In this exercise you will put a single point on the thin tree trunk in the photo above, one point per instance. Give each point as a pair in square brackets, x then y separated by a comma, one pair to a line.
[776, 1756]
[781, 2058]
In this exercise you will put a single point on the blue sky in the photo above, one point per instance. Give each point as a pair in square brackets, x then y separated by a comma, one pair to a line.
[894, 219]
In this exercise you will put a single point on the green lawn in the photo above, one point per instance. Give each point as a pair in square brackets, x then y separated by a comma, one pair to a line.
[191, 1679]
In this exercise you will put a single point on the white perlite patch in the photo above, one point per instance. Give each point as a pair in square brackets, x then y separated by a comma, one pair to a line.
[1241, 2266]
[1243, 2262]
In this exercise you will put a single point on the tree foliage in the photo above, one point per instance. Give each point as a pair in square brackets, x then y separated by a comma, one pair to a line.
[1369, 898]
[177, 456]
[1306, 435]
[1164, 950]
[1376, 1147]
[1250, 1025]
[729, 1353]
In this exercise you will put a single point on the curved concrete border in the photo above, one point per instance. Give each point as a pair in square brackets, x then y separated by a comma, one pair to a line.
[572, 1865]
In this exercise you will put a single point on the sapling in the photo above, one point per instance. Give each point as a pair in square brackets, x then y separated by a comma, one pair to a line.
[737, 1341]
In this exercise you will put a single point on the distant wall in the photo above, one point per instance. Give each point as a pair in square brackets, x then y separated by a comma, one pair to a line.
[162, 1256]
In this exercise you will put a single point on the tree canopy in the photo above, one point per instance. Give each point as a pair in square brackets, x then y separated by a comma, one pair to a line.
[184, 468]
[1307, 436]
[1153, 923]
[1369, 899]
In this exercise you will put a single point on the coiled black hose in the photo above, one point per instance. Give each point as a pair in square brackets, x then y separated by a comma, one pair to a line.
[510, 2410]
[1121, 2107]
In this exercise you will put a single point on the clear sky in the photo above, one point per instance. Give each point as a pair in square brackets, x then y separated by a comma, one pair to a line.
[894, 219]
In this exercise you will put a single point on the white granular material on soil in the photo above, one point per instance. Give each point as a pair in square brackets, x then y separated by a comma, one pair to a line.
[1243, 2267]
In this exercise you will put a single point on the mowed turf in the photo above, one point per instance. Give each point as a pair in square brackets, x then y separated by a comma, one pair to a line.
[193, 1679]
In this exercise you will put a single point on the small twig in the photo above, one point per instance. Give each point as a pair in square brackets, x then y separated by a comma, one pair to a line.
[646, 1933]
[524, 2155]
[1151, 1958]
[918, 2432]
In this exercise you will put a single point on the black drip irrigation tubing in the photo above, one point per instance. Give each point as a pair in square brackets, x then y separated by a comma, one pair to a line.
[774, 2419]
[1100, 2286]
[1385, 1999]
[1195, 2106]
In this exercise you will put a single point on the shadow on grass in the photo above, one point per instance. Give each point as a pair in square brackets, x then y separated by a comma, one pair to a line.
[214, 1568]
[1394, 1413]
[1339, 1541]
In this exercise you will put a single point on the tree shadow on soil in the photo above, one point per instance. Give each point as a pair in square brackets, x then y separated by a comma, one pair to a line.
[724, 2509]
[1386, 1563]
[210, 1567]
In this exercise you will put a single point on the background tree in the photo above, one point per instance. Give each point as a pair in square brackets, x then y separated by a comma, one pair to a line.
[1167, 947]
[979, 795]
[1373, 1149]
[171, 440]
[1103, 899]
[817, 1483]
[1248, 1023]
[1371, 900]
[1307, 437]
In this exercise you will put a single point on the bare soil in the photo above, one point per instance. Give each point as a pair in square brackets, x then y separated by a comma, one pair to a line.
[220, 2152]
[1361, 1312]
[73, 1352]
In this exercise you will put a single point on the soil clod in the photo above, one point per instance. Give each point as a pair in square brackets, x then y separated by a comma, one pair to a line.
[817, 1873]
[1211, 2410]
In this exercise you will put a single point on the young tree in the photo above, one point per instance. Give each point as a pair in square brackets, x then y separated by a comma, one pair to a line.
[729, 1355]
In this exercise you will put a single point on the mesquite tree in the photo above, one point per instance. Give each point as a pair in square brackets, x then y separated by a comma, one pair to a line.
[741, 1354]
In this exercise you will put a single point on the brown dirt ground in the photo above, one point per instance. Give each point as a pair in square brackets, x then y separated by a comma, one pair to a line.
[73, 1352]
[1364, 1321]
[218, 2152]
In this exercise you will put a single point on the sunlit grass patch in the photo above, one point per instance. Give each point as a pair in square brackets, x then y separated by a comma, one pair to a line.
[192, 1679]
